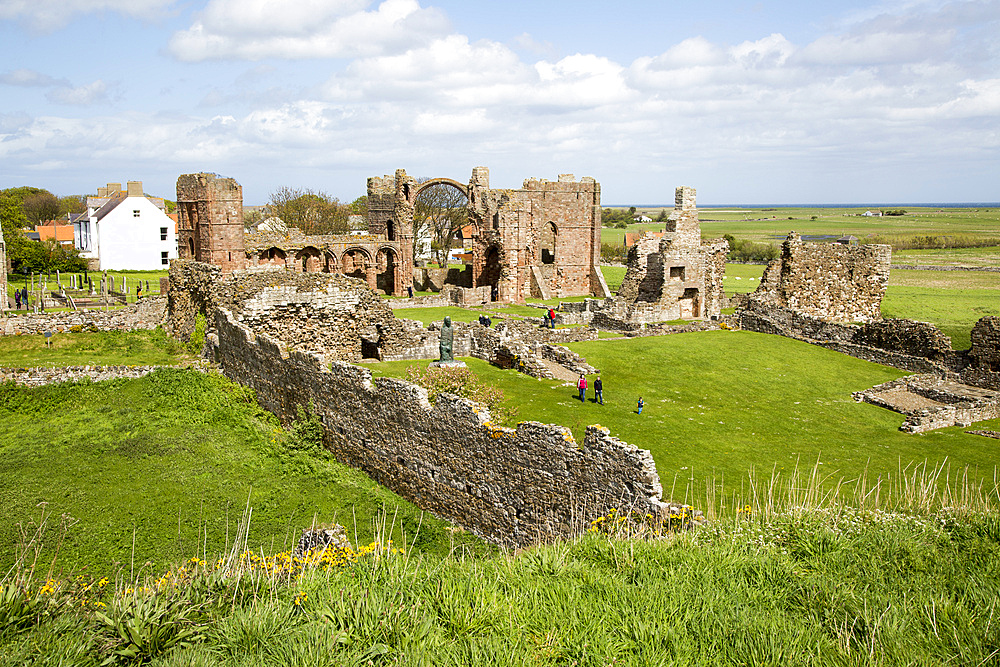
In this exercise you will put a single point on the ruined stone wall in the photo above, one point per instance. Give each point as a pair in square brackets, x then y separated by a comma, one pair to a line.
[510, 486]
[210, 220]
[984, 355]
[43, 375]
[149, 313]
[572, 208]
[193, 288]
[4, 270]
[830, 281]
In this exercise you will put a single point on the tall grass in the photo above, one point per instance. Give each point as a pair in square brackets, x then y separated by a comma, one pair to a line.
[799, 577]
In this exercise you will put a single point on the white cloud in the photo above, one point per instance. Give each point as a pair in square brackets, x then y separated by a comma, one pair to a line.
[27, 78]
[90, 93]
[48, 15]
[235, 29]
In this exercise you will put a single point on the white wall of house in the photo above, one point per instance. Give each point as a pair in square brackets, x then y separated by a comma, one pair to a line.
[135, 234]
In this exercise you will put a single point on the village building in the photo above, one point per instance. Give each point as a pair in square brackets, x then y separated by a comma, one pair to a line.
[125, 229]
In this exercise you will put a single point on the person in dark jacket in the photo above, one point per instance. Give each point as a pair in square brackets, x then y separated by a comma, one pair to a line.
[599, 390]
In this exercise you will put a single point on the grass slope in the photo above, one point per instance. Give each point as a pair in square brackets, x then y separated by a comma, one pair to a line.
[721, 403]
[106, 348]
[809, 588]
[174, 457]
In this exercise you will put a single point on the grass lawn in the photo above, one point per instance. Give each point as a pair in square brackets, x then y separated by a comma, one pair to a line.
[719, 404]
[107, 348]
[951, 310]
[172, 460]
[950, 256]
[436, 314]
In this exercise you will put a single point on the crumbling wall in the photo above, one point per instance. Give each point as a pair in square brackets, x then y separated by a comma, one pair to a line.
[984, 355]
[510, 486]
[210, 220]
[670, 276]
[830, 281]
[149, 313]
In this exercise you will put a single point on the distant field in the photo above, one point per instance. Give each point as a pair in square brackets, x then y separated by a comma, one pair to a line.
[950, 257]
[774, 225]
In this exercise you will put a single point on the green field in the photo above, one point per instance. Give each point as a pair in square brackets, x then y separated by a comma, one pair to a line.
[107, 348]
[168, 463]
[720, 403]
[774, 225]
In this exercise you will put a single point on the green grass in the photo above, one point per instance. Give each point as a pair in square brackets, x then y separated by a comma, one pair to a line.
[807, 588]
[773, 225]
[107, 348]
[951, 256]
[172, 460]
[16, 281]
[436, 314]
[719, 404]
[951, 310]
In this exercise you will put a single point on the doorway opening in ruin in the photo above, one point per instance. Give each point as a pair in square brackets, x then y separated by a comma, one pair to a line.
[690, 304]
[272, 256]
[191, 247]
[309, 259]
[385, 278]
[355, 264]
[490, 275]
[440, 212]
[547, 243]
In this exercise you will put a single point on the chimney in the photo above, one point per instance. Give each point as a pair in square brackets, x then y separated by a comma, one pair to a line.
[113, 188]
[102, 193]
[135, 188]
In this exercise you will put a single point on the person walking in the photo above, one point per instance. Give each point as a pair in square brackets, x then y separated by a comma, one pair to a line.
[17, 299]
[639, 411]
[552, 319]
[599, 390]
[581, 384]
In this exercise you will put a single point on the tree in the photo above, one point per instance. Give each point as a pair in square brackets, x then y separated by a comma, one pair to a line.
[41, 207]
[310, 211]
[440, 212]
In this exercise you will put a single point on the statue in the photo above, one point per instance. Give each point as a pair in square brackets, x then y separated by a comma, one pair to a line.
[447, 340]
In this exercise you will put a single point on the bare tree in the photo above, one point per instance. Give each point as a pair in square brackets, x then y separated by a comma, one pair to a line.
[312, 212]
[42, 207]
[440, 212]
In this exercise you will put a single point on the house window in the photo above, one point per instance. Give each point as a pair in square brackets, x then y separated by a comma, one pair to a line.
[164, 258]
[135, 213]
[163, 233]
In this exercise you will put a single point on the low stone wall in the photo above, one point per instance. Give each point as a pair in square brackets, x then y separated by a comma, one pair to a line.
[511, 486]
[925, 267]
[954, 409]
[36, 377]
[147, 314]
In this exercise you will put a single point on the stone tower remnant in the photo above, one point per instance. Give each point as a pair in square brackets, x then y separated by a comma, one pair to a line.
[210, 220]
[673, 275]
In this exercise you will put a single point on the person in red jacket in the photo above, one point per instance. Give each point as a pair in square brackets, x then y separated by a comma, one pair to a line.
[581, 384]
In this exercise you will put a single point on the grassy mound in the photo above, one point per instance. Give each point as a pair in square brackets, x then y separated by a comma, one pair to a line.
[146, 472]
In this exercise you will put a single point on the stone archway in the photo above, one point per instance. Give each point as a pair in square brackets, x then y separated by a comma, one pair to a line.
[275, 256]
[547, 243]
[309, 260]
[386, 267]
[356, 263]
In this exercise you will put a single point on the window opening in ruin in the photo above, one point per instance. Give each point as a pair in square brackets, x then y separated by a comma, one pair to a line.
[547, 243]
[440, 211]
[677, 272]
[369, 349]
[390, 230]
[496, 220]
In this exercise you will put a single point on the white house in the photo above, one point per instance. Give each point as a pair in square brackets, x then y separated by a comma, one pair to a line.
[125, 230]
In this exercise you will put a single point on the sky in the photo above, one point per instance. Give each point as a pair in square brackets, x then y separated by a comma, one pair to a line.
[764, 102]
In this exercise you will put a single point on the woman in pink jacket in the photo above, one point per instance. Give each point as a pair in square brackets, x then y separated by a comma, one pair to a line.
[581, 384]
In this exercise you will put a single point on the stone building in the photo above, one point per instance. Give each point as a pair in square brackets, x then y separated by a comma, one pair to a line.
[673, 275]
[829, 281]
[210, 220]
[543, 240]
[371, 257]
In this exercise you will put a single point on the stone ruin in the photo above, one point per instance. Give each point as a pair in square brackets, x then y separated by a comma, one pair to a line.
[210, 220]
[4, 270]
[670, 276]
[828, 281]
[290, 335]
[543, 240]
